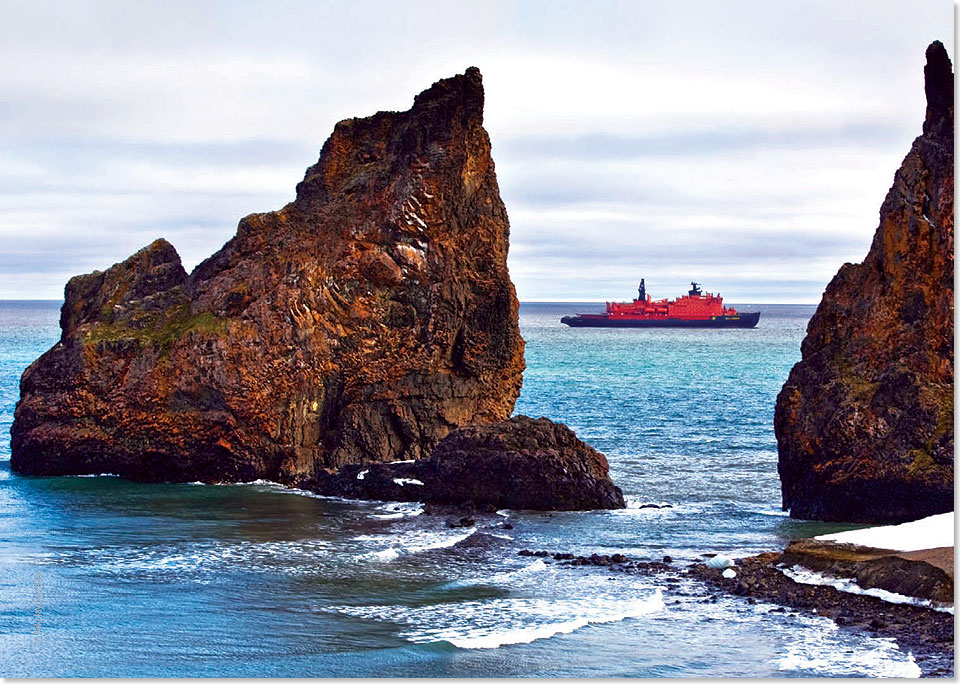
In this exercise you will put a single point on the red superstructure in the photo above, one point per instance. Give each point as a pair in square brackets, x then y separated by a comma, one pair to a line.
[694, 310]
[695, 305]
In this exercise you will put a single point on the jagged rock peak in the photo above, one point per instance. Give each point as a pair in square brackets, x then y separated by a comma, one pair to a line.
[446, 120]
[864, 423]
[364, 321]
[463, 91]
[938, 86]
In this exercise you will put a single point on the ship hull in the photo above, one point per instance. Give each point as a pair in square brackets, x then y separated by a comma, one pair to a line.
[744, 320]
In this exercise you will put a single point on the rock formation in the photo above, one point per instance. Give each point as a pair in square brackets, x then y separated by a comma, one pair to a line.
[517, 463]
[926, 574]
[864, 423]
[363, 321]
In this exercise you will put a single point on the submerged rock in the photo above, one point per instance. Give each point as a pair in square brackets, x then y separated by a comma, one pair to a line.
[364, 321]
[864, 423]
[519, 463]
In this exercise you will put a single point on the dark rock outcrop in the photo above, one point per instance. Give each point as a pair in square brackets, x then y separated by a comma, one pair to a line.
[362, 322]
[864, 423]
[916, 573]
[518, 463]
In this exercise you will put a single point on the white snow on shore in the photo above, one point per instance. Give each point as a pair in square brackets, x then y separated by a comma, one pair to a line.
[926, 533]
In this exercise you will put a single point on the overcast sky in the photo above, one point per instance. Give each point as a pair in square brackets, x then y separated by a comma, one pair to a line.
[745, 145]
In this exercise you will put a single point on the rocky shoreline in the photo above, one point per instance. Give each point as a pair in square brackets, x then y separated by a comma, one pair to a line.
[923, 631]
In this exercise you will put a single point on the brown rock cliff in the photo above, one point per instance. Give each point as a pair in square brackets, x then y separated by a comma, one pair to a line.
[864, 423]
[362, 322]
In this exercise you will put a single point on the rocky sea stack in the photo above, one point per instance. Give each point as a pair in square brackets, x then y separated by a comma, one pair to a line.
[864, 423]
[361, 323]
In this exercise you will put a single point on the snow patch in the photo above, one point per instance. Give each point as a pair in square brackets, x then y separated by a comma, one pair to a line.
[927, 533]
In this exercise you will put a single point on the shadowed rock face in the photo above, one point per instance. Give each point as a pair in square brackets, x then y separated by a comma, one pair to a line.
[362, 322]
[864, 423]
[517, 463]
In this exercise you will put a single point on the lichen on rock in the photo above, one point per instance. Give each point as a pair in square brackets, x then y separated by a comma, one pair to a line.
[864, 423]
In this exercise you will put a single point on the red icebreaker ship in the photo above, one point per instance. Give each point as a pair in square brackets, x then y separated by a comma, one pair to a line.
[697, 309]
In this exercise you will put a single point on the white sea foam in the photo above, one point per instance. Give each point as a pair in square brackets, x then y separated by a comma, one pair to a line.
[775, 513]
[362, 474]
[197, 558]
[482, 639]
[259, 482]
[509, 578]
[804, 576]
[820, 653]
[643, 507]
[485, 624]
[398, 510]
[278, 488]
[403, 543]
[402, 481]
[799, 645]
[96, 475]
[384, 555]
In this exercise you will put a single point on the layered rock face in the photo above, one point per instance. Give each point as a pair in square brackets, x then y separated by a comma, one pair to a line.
[517, 463]
[362, 322]
[864, 423]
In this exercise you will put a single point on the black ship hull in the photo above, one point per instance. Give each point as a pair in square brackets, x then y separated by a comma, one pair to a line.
[744, 320]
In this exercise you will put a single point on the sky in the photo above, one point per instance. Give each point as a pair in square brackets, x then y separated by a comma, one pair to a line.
[745, 145]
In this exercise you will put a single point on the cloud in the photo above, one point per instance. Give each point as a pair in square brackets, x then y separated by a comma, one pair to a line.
[722, 139]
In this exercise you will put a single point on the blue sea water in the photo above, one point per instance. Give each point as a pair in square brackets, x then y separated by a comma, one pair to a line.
[103, 577]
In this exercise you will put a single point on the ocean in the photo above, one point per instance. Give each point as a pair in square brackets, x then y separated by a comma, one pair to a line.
[100, 577]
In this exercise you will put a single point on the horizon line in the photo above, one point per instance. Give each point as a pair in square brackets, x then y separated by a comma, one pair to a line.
[522, 301]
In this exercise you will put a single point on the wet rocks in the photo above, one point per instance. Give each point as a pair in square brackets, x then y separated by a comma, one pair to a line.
[520, 463]
[362, 322]
[572, 559]
[927, 633]
[920, 574]
[864, 423]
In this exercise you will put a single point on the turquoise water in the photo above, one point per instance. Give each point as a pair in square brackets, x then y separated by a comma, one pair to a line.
[103, 577]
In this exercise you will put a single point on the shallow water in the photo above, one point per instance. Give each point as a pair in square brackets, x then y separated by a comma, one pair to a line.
[245, 580]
